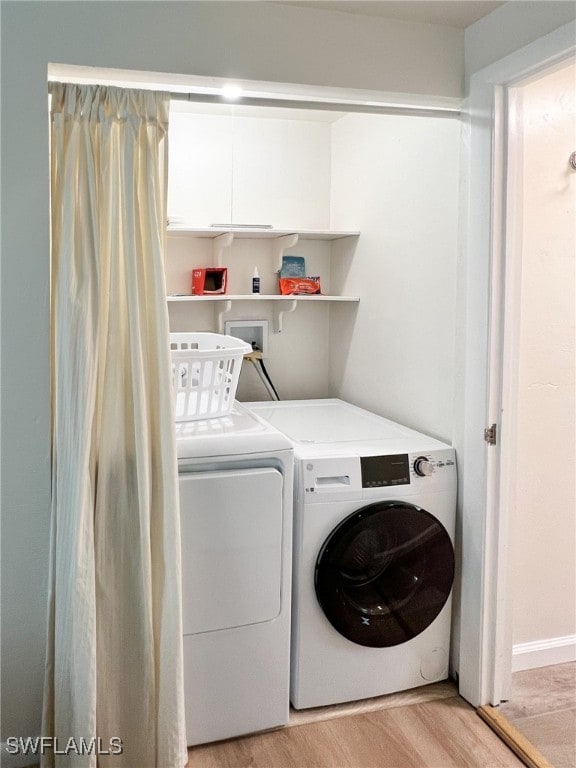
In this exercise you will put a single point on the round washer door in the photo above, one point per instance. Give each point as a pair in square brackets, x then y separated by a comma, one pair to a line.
[384, 573]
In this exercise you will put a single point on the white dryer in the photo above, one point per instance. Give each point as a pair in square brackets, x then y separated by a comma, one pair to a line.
[373, 552]
[236, 478]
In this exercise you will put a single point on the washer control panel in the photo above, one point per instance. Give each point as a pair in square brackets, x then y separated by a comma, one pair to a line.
[392, 470]
[428, 465]
[337, 478]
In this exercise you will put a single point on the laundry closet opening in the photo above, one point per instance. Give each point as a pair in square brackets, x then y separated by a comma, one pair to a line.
[369, 202]
[370, 184]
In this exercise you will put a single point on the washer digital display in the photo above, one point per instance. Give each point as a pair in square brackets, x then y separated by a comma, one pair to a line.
[382, 471]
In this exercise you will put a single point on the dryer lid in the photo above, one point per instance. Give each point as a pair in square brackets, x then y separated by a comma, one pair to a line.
[240, 432]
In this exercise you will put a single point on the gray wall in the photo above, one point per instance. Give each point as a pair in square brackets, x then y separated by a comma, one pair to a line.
[512, 26]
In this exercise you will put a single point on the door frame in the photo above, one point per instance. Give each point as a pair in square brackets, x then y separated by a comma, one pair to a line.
[491, 283]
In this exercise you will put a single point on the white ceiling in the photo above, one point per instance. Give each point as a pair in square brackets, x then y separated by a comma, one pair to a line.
[451, 13]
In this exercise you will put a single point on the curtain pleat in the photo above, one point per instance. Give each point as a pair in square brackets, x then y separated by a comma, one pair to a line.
[114, 661]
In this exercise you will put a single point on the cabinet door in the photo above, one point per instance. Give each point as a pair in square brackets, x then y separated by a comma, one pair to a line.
[281, 172]
[248, 170]
[231, 528]
[199, 169]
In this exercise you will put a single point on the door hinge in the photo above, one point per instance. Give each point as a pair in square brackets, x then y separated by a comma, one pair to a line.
[490, 434]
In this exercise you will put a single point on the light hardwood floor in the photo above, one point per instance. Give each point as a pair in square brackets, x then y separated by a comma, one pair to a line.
[543, 708]
[441, 733]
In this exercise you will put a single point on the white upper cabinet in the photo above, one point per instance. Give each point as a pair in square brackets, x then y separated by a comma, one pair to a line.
[234, 168]
[199, 169]
[281, 173]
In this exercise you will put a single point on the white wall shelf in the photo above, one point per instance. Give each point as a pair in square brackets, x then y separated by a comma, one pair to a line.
[282, 304]
[261, 297]
[259, 232]
[223, 237]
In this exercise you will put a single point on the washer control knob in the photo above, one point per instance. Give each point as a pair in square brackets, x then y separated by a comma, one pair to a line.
[422, 466]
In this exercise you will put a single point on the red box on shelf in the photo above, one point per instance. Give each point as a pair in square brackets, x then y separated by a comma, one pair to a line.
[208, 281]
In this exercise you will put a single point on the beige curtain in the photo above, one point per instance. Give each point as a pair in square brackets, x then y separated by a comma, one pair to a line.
[114, 663]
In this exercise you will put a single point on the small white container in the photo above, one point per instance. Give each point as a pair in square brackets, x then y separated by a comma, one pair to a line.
[205, 372]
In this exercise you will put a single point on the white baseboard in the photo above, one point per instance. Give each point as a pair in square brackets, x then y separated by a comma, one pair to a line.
[543, 653]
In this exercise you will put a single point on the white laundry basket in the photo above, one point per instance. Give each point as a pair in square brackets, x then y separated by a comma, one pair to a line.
[205, 372]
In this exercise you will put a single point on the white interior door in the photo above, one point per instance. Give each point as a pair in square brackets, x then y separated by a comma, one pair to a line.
[484, 629]
[537, 465]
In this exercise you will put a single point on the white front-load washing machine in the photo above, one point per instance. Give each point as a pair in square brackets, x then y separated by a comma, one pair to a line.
[236, 480]
[374, 519]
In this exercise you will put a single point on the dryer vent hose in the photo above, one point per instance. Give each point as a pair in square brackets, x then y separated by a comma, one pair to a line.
[255, 357]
